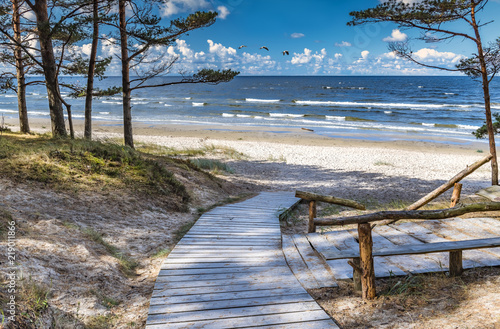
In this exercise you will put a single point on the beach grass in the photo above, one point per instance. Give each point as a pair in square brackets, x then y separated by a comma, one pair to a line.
[82, 165]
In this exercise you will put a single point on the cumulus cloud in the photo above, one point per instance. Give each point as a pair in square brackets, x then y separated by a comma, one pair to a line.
[297, 35]
[174, 7]
[223, 12]
[343, 44]
[432, 55]
[364, 54]
[396, 36]
[220, 50]
[307, 56]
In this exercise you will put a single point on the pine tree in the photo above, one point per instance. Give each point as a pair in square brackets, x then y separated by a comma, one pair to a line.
[432, 18]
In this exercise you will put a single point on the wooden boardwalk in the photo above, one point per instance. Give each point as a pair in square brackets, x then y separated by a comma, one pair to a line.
[229, 272]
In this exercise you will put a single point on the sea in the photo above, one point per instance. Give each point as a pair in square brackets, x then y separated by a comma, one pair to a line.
[424, 108]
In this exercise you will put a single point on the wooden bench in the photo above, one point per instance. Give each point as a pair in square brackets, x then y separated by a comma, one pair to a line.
[453, 247]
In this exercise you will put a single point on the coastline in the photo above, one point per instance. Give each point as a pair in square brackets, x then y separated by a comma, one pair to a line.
[376, 172]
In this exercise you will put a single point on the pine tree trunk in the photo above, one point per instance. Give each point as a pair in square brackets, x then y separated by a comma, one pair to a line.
[127, 109]
[487, 101]
[90, 75]
[49, 69]
[21, 82]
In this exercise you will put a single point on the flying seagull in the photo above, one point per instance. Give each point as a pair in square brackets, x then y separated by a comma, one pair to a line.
[285, 52]
[264, 47]
[241, 46]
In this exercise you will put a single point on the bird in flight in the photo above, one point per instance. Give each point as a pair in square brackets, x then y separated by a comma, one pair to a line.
[241, 46]
[285, 52]
[264, 47]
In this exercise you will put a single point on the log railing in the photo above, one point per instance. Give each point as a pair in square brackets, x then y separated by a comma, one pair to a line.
[363, 267]
[314, 198]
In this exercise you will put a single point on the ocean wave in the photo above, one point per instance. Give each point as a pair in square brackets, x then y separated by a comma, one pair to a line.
[387, 112]
[110, 102]
[284, 115]
[228, 115]
[199, 104]
[104, 113]
[258, 100]
[7, 111]
[243, 116]
[333, 117]
[139, 103]
[167, 105]
[39, 113]
[9, 96]
[382, 105]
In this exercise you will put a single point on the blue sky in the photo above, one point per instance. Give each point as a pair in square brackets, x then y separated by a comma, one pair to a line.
[313, 32]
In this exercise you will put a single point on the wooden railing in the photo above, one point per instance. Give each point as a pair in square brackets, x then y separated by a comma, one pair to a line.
[364, 274]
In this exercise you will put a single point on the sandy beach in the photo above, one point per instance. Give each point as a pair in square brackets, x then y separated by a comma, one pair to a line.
[370, 171]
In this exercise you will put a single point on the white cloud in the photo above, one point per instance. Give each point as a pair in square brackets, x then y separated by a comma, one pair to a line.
[297, 35]
[343, 44]
[110, 47]
[173, 7]
[86, 48]
[307, 56]
[396, 36]
[220, 50]
[432, 55]
[223, 12]
[364, 54]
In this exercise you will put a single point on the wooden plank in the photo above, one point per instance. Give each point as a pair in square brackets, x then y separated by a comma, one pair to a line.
[252, 321]
[198, 271]
[312, 260]
[343, 240]
[176, 266]
[232, 313]
[297, 290]
[321, 324]
[408, 263]
[167, 292]
[490, 224]
[446, 230]
[423, 248]
[340, 269]
[231, 303]
[278, 272]
[229, 253]
[436, 262]
[297, 265]
[428, 236]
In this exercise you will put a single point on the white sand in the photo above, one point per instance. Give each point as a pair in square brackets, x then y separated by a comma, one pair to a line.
[377, 173]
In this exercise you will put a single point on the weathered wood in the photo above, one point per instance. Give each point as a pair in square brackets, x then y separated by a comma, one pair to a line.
[446, 186]
[340, 269]
[329, 199]
[409, 214]
[424, 248]
[344, 240]
[313, 262]
[456, 268]
[356, 273]
[366, 260]
[311, 228]
[455, 197]
[297, 264]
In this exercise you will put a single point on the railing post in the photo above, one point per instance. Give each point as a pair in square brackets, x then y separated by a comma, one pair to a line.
[455, 197]
[366, 257]
[312, 214]
[456, 268]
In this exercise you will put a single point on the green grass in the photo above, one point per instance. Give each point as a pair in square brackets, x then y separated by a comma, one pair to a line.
[161, 253]
[5, 219]
[225, 151]
[32, 303]
[79, 165]
[215, 166]
[127, 264]
[179, 234]
[383, 163]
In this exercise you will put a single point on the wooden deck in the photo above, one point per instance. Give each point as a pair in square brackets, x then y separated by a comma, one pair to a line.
[390, 236]
[229, 272]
